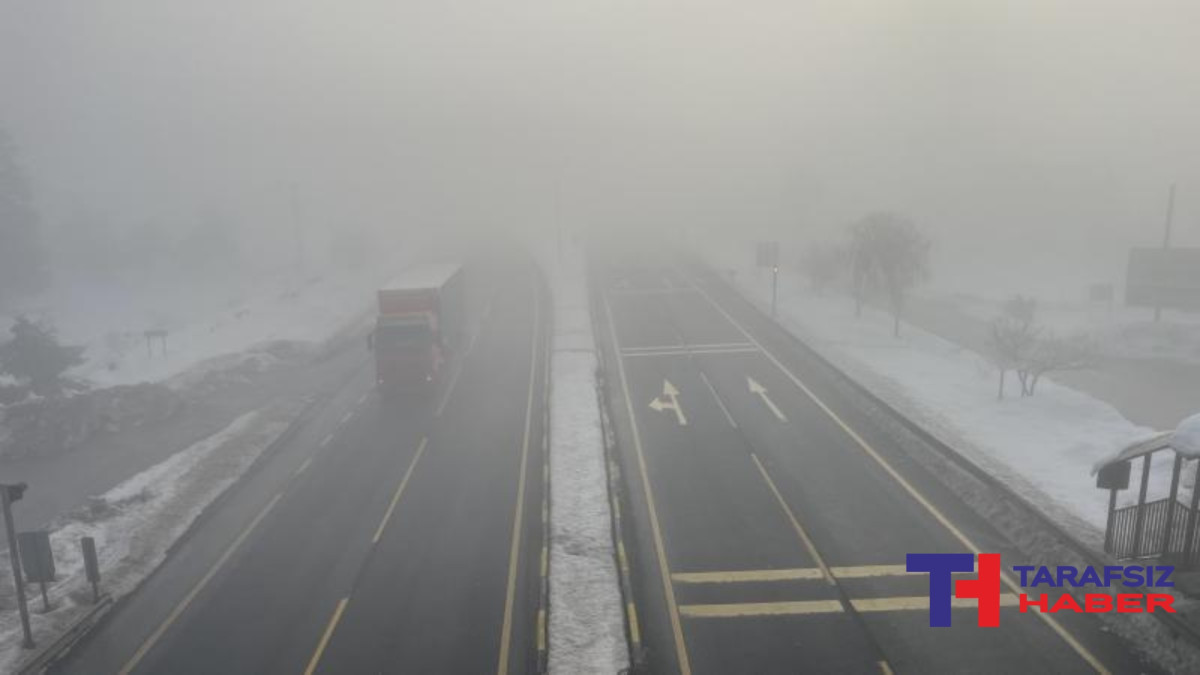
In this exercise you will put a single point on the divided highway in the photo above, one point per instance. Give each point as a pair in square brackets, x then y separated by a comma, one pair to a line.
[769, 519]
[387, 536]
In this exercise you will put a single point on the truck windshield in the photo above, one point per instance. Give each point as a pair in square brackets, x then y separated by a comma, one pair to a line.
[396, 334]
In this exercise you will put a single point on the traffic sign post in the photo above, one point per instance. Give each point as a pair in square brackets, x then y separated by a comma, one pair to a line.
[91, 565]
[38, 560]
[767, 255]
[9, 494]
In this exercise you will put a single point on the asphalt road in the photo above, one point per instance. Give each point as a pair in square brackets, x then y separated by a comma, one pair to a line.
[769, 520]
[388, 536]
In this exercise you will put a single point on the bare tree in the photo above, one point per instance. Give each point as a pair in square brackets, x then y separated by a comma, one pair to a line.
[1056, 354]
[889, 252]
[1012, 337]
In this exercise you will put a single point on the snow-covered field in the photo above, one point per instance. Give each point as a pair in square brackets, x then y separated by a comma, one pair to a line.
[1120, 331]
[223, 316]
[586, 624]
[1044, 446]
[136, 523]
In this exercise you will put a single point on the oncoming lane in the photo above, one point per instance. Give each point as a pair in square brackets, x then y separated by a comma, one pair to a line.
[765, 474]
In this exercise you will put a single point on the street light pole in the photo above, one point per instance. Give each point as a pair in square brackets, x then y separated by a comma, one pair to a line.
[774, 288]
[6, 497]
[1166, 245]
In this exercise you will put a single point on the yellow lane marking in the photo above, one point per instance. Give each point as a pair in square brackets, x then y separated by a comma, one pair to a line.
[796, 607]
[808, 544]
[1050, 621]
[635, 632]
[863, 571]
[681, 654]
[514, 552]
[333, 622]
[734, 610]
[399, 491]
[792, 574]
[744, 576]
[187, 599]
[921, 602]
[885, 668]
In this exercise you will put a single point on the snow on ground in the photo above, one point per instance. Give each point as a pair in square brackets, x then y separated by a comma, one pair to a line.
[136, 523]
[586, 627]
[1044, 446]
[222, 316]
[1121, 331]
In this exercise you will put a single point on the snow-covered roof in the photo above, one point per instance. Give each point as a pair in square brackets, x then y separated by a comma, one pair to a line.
[1184, 440]
[1186, 437]
[426, 275]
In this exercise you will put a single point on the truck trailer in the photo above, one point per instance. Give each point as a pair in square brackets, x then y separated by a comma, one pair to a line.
[419, 327]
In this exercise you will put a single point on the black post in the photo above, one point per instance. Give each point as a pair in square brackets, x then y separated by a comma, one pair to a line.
[1141, 509]
[1166, 538]
[1112, 513]
[774, 288]
[15, 558]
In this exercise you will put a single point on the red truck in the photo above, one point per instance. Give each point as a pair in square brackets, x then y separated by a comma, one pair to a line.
[419, 326]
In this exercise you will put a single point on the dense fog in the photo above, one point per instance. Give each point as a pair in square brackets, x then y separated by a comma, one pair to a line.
[1034, 142]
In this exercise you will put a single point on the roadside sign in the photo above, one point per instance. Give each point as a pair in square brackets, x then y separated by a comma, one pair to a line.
[37, 559]
[1113, 476]
[1100, 292]
[767, 254]
[1163, 277]
[91, 563]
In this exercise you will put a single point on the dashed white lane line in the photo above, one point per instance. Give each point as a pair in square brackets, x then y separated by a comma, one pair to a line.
[346, 418]
[304, 466]
[713, 391]
[327, 441]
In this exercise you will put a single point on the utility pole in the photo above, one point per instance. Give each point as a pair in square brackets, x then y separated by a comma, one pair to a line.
[8, 495]
[1166, 245]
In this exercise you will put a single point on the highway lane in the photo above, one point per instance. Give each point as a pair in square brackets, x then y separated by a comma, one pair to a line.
[393, 536]
[766, 536]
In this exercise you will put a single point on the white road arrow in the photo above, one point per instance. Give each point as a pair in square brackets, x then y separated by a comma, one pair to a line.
[669, 400]
[756, 388]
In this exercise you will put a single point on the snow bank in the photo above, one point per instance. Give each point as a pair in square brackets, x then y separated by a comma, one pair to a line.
[136, 523]
[586, 624]
[224, 316]
[1043, 447]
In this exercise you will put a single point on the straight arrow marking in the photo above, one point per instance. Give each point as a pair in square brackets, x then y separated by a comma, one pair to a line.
[756, 388]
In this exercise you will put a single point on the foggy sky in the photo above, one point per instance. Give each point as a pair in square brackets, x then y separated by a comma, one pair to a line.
[999, 127]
